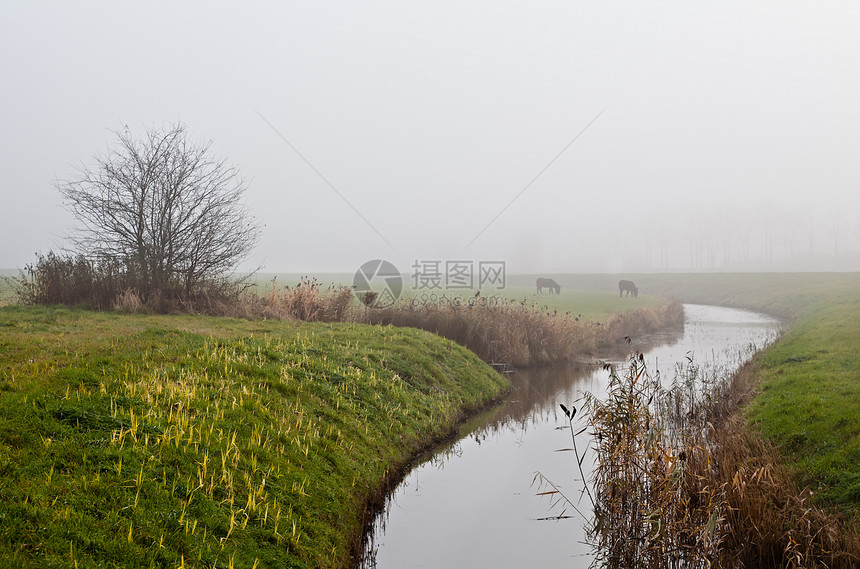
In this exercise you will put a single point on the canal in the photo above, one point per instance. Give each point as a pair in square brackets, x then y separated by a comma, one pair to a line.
[473, 502]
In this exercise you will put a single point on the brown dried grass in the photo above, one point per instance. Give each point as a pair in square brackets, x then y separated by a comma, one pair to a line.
[309, 301]
[772, 522]
[522, 335]
[683, 481]
[128, 301]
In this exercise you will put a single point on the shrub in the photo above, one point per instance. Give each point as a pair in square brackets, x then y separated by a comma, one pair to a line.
[70, 280]
[75, 280]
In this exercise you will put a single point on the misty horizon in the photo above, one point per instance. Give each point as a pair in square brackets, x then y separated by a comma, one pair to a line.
[570, 138]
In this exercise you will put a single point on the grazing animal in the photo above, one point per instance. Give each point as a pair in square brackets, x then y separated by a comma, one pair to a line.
[553, 286]
[628, 287]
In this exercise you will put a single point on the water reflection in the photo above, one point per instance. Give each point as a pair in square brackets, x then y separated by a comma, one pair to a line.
[471, 503]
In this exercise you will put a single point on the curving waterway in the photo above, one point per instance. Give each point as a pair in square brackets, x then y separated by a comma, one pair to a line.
[472, 502]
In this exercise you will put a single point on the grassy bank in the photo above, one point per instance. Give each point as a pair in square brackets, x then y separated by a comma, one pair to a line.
[180, 441]
[809, 382]
[809, 403]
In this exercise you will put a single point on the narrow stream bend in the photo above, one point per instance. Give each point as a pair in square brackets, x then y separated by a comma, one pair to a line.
[472, 502]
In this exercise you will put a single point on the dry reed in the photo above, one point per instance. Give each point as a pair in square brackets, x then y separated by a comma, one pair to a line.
[682, 481]
[307, 301]
[128, 301]
[522, 335]
[651, 509]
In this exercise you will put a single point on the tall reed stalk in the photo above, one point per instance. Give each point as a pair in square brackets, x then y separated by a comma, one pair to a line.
[652, 509]
[682, 481]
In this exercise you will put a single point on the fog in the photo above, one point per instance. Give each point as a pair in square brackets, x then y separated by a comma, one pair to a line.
[553, 136]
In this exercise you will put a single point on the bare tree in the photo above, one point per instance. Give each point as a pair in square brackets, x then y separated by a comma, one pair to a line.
[171, 214]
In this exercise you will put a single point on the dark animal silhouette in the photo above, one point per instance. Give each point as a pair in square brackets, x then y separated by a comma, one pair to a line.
[553, 286]
[628, 287]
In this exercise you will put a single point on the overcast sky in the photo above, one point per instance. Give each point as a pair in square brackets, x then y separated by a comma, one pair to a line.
[710, 135]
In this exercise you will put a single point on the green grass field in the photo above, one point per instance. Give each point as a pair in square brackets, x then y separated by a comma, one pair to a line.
[180, 441]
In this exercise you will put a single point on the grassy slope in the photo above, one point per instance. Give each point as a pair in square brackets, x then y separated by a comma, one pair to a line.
[810, 403]
[810, 380]
[138, 441]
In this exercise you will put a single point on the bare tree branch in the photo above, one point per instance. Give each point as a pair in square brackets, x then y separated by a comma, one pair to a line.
[172, 215]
